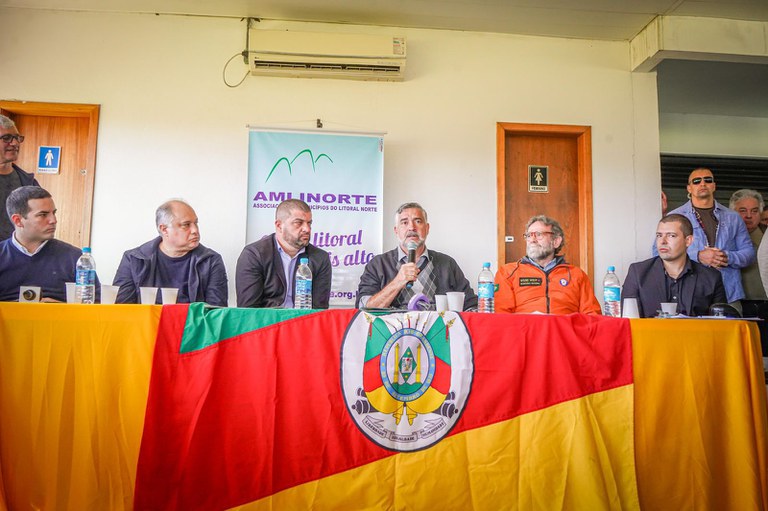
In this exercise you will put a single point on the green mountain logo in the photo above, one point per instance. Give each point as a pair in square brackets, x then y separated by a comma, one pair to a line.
[289, 163]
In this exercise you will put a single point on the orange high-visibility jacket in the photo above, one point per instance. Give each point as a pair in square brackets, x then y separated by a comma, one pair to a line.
[524, 287]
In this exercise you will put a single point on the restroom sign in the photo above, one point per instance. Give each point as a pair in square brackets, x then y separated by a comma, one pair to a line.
[48, 159]
[538, 178]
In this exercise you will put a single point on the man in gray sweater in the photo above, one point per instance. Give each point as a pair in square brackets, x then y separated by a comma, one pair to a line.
[390, 280]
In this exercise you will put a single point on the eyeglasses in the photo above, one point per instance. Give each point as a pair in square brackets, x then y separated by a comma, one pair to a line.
[697, 180]
[8, 137]
[537, 234]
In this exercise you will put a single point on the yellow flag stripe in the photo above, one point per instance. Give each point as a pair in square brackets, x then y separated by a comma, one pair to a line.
[75, 380]
[574, 455]
[694, 401]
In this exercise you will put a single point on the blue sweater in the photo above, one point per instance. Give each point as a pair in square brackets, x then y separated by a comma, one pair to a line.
[50, 269]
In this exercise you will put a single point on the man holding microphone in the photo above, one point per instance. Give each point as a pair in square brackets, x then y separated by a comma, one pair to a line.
[393, 278]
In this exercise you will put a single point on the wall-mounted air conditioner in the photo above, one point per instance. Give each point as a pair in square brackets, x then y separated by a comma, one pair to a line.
[324, 55]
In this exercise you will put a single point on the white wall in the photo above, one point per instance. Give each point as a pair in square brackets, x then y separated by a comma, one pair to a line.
[169, 127]
[720, 135]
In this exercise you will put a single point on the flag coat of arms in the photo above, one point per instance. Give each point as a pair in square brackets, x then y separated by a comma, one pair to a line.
[264, 409]
[260, 411]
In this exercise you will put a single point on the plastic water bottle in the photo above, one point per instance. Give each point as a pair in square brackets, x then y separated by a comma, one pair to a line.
[302, 297]
[85, 278]
[485, 288]
[611, 294]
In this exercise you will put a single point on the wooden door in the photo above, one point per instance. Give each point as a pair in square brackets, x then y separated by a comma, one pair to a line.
[74, 128]
[565, 154]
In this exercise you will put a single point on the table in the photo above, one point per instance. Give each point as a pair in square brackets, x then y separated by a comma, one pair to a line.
[679, 419]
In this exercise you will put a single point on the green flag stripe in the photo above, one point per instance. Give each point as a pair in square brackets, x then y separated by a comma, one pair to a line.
[379, 336]
[206, 326]
[440, 344]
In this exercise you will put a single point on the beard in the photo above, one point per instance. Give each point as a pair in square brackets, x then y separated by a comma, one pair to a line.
[295, 241]
[412, 237]
[539, 252]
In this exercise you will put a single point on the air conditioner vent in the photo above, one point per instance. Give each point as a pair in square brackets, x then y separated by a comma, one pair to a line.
[323, 55]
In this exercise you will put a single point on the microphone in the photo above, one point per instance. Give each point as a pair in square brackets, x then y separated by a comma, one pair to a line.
[411, 246]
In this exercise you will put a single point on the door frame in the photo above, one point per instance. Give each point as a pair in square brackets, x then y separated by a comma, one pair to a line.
[88, 111]
[583, 136]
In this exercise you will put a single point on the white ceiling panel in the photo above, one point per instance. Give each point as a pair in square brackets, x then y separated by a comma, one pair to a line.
[589, 19]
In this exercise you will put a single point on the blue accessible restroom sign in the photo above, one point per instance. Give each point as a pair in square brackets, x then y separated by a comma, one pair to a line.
[48, 159]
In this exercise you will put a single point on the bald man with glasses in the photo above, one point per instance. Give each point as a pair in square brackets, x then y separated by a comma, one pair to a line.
[720, 238]
[542, 281]
[11, 176]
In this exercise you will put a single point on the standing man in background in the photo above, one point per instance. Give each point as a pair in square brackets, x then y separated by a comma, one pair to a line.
[11, 176]
[720, 238]
[749, 205]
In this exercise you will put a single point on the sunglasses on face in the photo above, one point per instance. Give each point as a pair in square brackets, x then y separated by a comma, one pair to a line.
[698, 180]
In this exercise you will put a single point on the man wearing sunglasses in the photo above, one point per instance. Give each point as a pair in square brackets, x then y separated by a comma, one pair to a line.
[720, 238]
[11, 176]
[542, 281]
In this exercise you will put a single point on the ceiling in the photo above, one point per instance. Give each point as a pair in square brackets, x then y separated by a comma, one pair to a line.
[588, 19]
[713, 88]
[684, 86]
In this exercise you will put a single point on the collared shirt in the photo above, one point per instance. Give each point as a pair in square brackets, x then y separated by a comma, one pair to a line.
[732, 237]
[674, 286]
[289, 267]
[23, 249]
[402, 256]
[544, 268]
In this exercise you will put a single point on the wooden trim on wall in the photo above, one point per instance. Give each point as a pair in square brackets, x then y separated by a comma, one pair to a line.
[88, 111]
[501, 186]
[583, 136]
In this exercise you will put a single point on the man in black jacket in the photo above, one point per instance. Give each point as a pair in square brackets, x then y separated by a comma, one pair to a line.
[672, 276]
[174, 259]
[11, 176]
[266, 269]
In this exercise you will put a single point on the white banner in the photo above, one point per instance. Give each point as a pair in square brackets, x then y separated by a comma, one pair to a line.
[340, 176]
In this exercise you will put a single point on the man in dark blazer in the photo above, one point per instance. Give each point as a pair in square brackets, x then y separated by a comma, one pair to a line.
[672, 276]
[266, 269]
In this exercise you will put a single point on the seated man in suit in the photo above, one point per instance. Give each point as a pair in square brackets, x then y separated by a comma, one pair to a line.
[266, 269]
[672, 276]
[31, 256]
[176, 258]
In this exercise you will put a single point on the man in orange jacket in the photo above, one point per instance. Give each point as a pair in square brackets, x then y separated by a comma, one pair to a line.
[542, 281]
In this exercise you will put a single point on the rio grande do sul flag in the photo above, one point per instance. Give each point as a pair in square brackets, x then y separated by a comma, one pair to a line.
[265, 409]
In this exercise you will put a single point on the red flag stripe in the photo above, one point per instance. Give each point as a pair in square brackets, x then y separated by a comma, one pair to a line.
[262, 412]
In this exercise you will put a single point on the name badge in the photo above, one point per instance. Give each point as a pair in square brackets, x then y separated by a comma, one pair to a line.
[530, 281]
